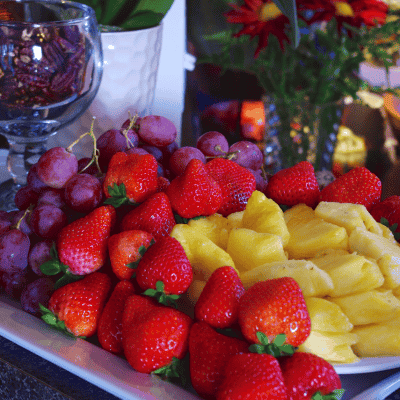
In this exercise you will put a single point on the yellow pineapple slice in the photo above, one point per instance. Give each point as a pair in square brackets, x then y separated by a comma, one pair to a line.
[327, 316]
[348, 215]
[381, 249]
[204, 255]
[312, 280]
[350, 273]
[250, 249]
[215, 227]
[309, 234]
[378, 340]
[387, 233]
[333, 347]
[370, 307]
[263, 215]
[194, 291]
[235, 219]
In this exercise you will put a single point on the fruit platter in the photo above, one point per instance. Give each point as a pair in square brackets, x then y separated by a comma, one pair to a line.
[186, 272]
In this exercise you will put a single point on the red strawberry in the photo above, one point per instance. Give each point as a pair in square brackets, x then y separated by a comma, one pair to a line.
[194, 193]
[162, 183]
[251, 376]
[237, 184]
[79, 305]
[130, 177]
[209, 352]
[358, 186]
[274, 307]
[109, 331]
[294, 185]
[165, 261]
[218, 304]
[153, 334]
[82, 244]
[306, 374]
[388, 209]
[126, 249]
[154, 216]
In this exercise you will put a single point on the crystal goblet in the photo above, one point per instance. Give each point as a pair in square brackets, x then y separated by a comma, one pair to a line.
[51, 65]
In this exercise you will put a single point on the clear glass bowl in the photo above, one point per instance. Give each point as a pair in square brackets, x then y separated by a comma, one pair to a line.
[51, 65]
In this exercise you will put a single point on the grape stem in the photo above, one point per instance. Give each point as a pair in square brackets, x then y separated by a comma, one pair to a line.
[225, 154]
[27, 211]
[132, 123]
[96, 152]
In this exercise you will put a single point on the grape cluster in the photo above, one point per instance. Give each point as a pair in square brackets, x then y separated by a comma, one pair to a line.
[60, 188]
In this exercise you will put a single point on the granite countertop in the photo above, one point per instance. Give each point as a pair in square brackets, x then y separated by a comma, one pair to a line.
[26, 376]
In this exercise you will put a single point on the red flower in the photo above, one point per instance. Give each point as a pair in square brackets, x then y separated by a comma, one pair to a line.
[354, 12]
[259, 18]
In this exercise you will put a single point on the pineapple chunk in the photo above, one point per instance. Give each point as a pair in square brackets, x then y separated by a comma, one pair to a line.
[194, 291]
[235, 219]
[387, 233]
[312, 280]
[327, 316]
[204, 255]
[309, 234]
[378, 340]
[263, 215]
[348, 215]
[333, 347]
[396, 292]
[215, 227]
[369, 307]
[385, 252]
[350, 273]
[250, 249]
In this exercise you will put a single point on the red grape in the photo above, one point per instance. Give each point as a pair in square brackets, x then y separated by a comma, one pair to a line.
[38, 254]
[83, 162]
[23, 221]
[83, 193]
[24, 197]
[14, 282]
[37, 291]
[47, 220]
[136, 150]
[213, 144]
[181, 157]
[261, 182]
[113, 141]
[14, 250]
[34, 181]
[52, 196]
[56, 166]
[154, 151]
[5, 221]
[157, 131]
[247, 155]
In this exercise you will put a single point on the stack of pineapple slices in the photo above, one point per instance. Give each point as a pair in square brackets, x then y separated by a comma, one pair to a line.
[346, 263]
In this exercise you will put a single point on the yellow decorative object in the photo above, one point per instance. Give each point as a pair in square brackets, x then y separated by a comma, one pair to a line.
[350, 150]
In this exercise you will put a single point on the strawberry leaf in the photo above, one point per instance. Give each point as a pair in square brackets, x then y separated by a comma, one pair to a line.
[182, 220]
[51, 267]
[66, 278]
[392, 228]
[142, 250]
[169, 371]
[52, 320]
[276, 349]
[335, 395]
[118, 195]
[163, 298]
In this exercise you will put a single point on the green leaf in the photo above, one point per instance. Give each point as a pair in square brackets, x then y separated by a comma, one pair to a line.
[68, 277]
[118, 195]
[51, 267]
[182, 220]
[169, 371]
[335, 395]
[154, 6]
[161, 296]
[143, 20]
[288, 7]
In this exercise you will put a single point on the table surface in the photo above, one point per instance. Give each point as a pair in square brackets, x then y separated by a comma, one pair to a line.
[24, 375]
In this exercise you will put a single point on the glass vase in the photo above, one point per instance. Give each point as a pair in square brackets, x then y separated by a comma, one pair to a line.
[299, 131]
